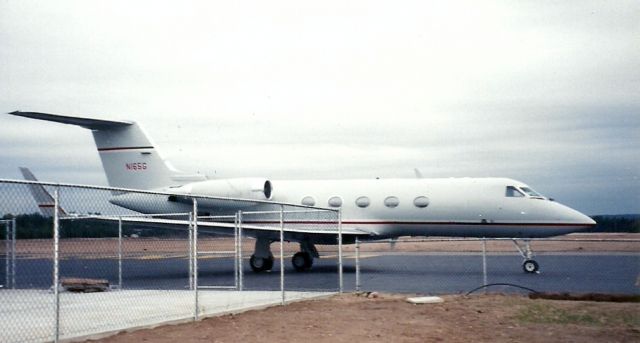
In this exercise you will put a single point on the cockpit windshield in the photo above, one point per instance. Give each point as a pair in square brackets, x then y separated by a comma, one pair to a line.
[513, 192]
[530, 192]
[517, 192]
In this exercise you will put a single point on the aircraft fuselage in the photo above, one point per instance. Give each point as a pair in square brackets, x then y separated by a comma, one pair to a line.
[460, 207]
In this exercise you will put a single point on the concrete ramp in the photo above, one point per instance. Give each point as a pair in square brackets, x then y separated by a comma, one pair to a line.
[29, 315]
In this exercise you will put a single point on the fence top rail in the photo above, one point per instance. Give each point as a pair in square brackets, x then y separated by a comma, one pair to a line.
[473, 239]
[142, 215]
[216, 217]
[141, 191]
[285, 212]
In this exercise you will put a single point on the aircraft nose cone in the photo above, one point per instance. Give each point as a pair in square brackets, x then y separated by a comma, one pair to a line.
[577, 219]
[583, 219]
[590, 221]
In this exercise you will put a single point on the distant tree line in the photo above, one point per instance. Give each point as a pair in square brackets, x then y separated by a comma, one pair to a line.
[37, 226]
[613, 223]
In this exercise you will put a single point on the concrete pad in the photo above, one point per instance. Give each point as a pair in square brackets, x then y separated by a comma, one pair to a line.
[28, 315]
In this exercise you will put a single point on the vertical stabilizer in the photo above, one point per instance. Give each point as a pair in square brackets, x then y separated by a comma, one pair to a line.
[42, 197]
[129, 158]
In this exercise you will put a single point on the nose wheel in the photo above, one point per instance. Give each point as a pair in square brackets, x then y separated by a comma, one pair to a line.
[529, 265]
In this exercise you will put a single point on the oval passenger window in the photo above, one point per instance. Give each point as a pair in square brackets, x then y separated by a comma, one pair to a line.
[363, 202]
[391, 202]
[421, 201]
[308, 201]
[335, 201]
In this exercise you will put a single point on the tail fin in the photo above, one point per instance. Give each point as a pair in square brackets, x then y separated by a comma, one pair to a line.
[128, 157]
[43, 198]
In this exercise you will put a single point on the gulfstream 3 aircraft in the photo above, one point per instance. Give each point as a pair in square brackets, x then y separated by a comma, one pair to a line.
[371, 209]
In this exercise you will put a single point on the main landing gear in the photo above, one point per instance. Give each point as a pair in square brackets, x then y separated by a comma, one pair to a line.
[261, 264]
[302, 261]
[262, 258]
[529, 265]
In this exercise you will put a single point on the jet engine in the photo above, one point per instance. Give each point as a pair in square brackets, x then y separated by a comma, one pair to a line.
[245, 188]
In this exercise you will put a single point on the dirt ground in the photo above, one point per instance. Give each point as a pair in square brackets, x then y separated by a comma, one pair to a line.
[389, 318]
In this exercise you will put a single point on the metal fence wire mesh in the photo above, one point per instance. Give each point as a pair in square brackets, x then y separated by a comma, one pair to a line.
[139, 258]
[161, 257]
[575, 263]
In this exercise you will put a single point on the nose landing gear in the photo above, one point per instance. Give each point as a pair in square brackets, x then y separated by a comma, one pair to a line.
[529, 265]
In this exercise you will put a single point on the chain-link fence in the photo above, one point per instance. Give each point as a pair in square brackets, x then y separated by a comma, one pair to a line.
[111, 259]
[578, 263]
[155, 257]
[305, 265]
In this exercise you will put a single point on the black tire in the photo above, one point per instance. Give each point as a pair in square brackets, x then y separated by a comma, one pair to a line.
[269, 263]
[259, 264]
[302, 261]
[530, 266]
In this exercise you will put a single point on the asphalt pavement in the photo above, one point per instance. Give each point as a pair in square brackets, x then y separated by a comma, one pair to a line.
[405, 273]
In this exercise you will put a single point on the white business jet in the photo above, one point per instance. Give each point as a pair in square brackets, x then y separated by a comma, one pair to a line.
[371, 209]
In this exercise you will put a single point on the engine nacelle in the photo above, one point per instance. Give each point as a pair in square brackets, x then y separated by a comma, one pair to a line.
[245, 188]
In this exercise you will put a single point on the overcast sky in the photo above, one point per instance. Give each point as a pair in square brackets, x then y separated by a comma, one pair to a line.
[544, 92]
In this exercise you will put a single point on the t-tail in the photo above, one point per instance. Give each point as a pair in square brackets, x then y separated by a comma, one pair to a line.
[129, 158]
[42, 197]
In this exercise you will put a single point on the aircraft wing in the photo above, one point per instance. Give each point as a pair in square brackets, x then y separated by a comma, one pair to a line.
[227, 228]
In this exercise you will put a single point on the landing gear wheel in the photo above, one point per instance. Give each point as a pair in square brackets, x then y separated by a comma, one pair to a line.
[302, 261]
[530, 266]
[259, 264]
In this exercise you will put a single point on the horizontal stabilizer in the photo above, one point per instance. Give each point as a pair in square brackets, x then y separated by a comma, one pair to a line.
[88, 123]
[43, 198]
[129, 158]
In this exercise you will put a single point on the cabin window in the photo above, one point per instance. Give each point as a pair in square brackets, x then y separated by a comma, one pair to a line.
[513, 192]
[308, 201]
[363, 202]
[421, 202]
[335, 201]
[391, 202]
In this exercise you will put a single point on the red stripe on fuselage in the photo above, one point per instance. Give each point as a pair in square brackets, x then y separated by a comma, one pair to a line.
[419, 223]
[125, 148]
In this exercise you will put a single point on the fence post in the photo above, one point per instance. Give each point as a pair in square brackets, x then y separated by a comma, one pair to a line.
[340, 250]
[195, 255]
[357, 264]
[282, 253]
[484, 262]
[240, 271]
[14, 230]
[56, 270]
[7, 257]
[190, 251]
[120, 253]
[236, 263]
